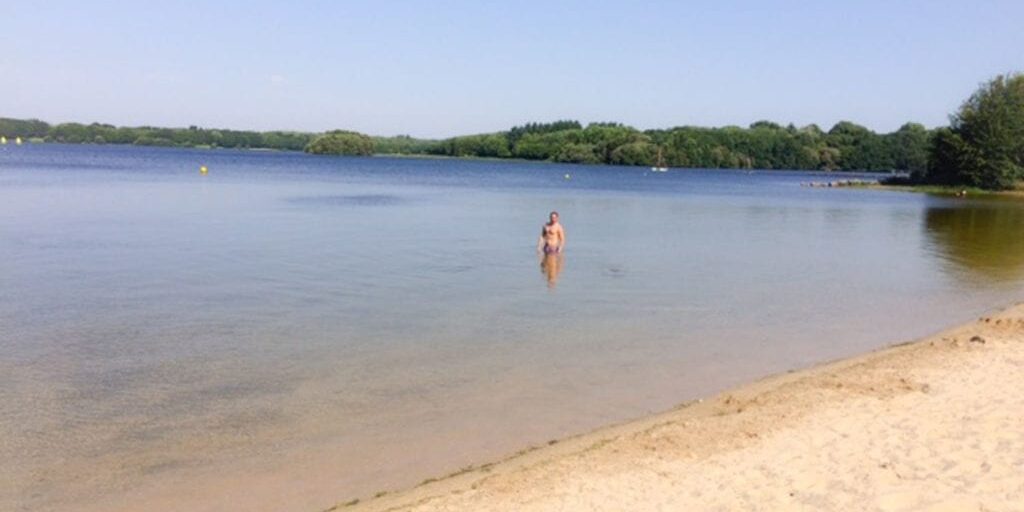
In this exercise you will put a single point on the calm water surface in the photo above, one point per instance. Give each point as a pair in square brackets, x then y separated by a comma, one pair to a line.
[291, 331]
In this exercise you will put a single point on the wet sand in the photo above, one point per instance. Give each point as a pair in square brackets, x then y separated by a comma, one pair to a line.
[936, 424]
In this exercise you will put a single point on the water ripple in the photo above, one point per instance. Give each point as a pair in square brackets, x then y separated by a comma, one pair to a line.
[349, 200]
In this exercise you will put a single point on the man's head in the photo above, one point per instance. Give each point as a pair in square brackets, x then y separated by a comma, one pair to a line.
[553, 217]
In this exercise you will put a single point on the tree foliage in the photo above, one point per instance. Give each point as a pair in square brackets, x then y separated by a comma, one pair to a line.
[763, 145]
[984, 144]
[402, 145]
[341, 142]
[518, 132]
[193, 136]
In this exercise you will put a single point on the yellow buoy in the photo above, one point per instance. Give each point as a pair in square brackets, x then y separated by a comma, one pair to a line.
[567, 176]
[3, 140]
[17, 141]
[203, 169]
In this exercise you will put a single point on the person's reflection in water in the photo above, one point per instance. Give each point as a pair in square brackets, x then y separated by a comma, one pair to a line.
[551, 266]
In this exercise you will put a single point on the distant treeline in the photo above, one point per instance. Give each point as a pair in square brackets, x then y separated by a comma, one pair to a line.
[982, 147]
[96, 133]
[193, 136]
[763, 145]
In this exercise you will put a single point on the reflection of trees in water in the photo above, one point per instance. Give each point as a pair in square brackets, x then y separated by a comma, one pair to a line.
[985, 240]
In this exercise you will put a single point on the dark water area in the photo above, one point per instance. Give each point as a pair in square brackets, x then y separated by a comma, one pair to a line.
[309, 329]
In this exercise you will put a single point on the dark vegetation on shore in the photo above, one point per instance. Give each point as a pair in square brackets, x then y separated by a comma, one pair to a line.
[983, 146]
[96, 133]
[762, 145]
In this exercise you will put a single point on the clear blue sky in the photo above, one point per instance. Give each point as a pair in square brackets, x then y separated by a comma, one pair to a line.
[443, 68]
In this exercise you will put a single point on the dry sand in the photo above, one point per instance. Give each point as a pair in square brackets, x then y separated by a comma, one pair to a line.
[937, 424]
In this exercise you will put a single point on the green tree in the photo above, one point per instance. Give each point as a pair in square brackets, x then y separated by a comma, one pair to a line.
[607, 137]
[403, 145]
[341, 142]
[517, 132]
[23, 128]
[943, 159]
[860, 148]
[576, 153]
[910, 148]
[984, 145]
[539, 146]
[634, 153]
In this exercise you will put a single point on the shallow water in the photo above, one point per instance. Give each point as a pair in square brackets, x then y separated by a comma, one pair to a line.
[290, 331]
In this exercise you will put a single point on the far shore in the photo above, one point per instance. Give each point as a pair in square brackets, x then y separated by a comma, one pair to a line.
[933, 424]
[427, 156]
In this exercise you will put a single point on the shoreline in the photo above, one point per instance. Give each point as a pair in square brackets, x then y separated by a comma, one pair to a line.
[871, 425]
[946, 191]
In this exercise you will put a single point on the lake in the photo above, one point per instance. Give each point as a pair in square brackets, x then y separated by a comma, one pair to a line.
[291, 331]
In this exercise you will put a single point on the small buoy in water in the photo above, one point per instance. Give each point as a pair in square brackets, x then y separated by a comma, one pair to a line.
[17, 141]
[203, 169]
[567, 176]
[3, 140]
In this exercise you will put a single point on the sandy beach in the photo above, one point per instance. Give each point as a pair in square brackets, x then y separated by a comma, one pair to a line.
[934, 424]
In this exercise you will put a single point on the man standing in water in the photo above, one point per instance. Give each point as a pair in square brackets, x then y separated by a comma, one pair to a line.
[552, 236]
[550, 246]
